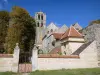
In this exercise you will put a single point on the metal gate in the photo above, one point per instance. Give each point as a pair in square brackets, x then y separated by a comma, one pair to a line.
[25, 62]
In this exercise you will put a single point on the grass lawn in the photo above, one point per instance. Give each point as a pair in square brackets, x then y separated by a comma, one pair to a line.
[94, 71]
[6, 73]
[9, 73]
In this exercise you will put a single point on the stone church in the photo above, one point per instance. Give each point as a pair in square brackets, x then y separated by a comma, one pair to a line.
[57, 40]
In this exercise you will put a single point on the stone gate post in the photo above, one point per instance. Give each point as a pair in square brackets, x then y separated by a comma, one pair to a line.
[34, 59]
[15, 58]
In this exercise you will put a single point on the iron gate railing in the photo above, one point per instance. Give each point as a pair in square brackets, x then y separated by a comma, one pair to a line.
[25, 62]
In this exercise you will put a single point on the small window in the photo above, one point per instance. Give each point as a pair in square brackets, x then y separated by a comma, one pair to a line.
[41, 24]
[38, 24]
[51, 30]
[47, 32]
[53, 43]
[41, 17]
[64, 52]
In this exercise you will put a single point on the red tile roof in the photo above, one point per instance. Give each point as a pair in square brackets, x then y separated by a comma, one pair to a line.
[56, 50]
[57, 35]
[71, 32]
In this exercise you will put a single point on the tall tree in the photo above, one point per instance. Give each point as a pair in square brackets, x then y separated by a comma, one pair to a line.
[21, 30]
[4, 22]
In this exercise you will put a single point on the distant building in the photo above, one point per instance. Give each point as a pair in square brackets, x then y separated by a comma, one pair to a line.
[77, 26]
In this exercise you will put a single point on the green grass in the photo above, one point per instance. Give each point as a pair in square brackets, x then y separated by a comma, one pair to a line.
[6, 73]
[94, 71]
[9, 73]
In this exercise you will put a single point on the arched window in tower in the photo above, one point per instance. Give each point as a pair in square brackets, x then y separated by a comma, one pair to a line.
[41, 17]
[42, 24]
[38, 24]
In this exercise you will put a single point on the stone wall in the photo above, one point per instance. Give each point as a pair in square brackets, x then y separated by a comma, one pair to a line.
[88, 58]
[92, 32]
[9, 62]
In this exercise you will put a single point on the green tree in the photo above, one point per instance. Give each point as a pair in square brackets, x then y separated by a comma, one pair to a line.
[4, 22]
[95, 22]
[21, 30]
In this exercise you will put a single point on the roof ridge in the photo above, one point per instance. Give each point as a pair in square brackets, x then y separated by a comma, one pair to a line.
[69, 31]
[77, 31]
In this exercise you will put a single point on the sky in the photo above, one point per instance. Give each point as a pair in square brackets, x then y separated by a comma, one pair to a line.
[59, 11]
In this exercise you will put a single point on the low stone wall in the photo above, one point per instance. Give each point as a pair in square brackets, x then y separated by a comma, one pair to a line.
[9, 62]
[64, 63]
[86, 59]
[52, 62]
[6, 62]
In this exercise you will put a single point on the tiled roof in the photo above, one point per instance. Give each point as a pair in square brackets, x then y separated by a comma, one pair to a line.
[57, 35]
[71, 32]
[56, 50]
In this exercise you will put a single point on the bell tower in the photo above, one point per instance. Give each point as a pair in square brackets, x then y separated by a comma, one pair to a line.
[40, 18]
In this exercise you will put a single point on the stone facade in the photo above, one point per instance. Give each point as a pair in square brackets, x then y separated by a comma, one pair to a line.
[92, 32]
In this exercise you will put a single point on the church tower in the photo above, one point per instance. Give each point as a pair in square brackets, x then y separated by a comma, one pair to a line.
[40, 19]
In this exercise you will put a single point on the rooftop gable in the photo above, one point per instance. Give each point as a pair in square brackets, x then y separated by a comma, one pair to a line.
[77, 26]
[71, 32]
[51, 25]
[64, 26]
[61, 29]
